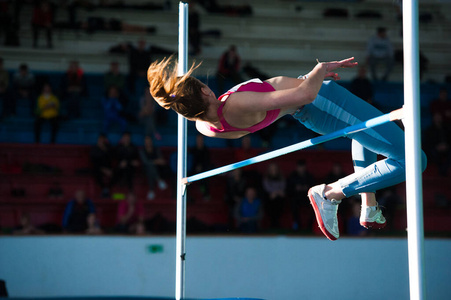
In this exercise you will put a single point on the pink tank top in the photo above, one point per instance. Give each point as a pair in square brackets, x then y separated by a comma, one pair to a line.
[253, 85]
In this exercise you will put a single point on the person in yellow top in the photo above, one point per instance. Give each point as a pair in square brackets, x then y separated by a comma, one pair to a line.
[47, 111]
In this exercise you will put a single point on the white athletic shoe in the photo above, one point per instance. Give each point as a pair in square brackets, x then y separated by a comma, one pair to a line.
[325, 211]
[370, 218]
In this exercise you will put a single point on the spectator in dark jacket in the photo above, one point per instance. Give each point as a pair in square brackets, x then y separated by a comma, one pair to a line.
[114, 77]
[23, 87]
[42, 20]
[73, 86]
[127, 156]
[201, 162]
[229, 68]
[75, 218]
[4, 87]
[102, 162]
[249, 212]
[154, 165]
[139, 59]
[361, 85]
[298, 184]
[113, 110]
[437, 144]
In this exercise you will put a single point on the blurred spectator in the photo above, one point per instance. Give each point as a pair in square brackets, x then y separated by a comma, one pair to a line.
[139, 59]
[229, 68]
[26, 226]
[130, 212]
[153, 163]
[101, 156]
[298, 184]
[75, 218]
[127, 157]
[380, 52]
[74, 88]
[424, 64]
[442, 106]
[248, 212]
[17, 10]
[353, 222]
[4, 10]
[437, 143]
[201, 162]
[361, 85]
[113, 110]
[236, 187]
[42, 20]
[114, 77]
[274, 185]
[47, 111]
[5, 17]
[23, 87]
[72, 8]
[147, 115]
[4, 86]
[424, 61]
[4, 77]
[93, 225]
[9, 22]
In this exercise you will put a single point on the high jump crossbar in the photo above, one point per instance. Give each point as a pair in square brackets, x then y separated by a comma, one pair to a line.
[392, 116]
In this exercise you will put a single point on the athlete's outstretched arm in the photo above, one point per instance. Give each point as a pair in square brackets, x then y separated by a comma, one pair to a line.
[300, 95]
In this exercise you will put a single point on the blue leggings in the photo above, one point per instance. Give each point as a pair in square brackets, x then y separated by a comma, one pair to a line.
[335, 108]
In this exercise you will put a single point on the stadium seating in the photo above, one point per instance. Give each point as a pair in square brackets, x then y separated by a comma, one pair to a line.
[35, 169]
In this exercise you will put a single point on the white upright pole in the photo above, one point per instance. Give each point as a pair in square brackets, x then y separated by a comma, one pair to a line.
[181, 160]
[415, 234]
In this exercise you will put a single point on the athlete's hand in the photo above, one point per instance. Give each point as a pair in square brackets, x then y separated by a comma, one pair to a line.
[345, 63]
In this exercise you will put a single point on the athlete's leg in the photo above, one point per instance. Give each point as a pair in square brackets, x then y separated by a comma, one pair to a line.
[362, 158]
[336, 108]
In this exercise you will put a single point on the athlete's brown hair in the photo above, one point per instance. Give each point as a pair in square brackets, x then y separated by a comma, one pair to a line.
[182, 94]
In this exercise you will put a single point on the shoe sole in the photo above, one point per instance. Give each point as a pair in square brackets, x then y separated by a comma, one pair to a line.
[318, 217]
[373, 225]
